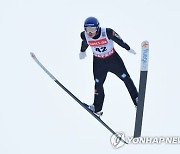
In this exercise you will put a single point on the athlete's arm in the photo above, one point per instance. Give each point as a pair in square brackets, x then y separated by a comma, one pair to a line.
[84, 44]
[116, 38]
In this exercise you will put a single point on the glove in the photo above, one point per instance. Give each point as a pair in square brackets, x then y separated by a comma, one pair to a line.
[82, 55]
[132, 51]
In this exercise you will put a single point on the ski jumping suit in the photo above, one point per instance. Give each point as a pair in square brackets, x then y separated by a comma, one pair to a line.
[106, 59]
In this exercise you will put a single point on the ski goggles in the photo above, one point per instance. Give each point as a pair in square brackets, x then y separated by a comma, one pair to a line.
[90, 29]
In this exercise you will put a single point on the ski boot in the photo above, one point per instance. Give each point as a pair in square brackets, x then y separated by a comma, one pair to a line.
[92, 108]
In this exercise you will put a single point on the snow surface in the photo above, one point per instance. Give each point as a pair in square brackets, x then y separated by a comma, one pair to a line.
[36, 116]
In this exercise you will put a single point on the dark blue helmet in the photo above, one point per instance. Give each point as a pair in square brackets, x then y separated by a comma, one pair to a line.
[91, 22]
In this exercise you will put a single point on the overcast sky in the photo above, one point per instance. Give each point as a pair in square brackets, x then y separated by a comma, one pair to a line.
[36, 116]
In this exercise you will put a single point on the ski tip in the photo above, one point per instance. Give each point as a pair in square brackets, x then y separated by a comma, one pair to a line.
[32, 54]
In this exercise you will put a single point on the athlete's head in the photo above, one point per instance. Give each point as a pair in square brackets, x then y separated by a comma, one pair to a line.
[91, 26]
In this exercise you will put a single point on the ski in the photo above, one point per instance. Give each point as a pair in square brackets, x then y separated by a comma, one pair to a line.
[142, 88]
[75, 98]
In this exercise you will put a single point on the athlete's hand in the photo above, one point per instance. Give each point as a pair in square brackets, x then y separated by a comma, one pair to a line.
[82, 55]
[132, 51]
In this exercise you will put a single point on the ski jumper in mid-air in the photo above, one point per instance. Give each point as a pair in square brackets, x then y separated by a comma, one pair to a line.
[105, 59]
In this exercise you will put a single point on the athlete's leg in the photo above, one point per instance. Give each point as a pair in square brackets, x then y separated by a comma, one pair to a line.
[117, 67]
[100, 73]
